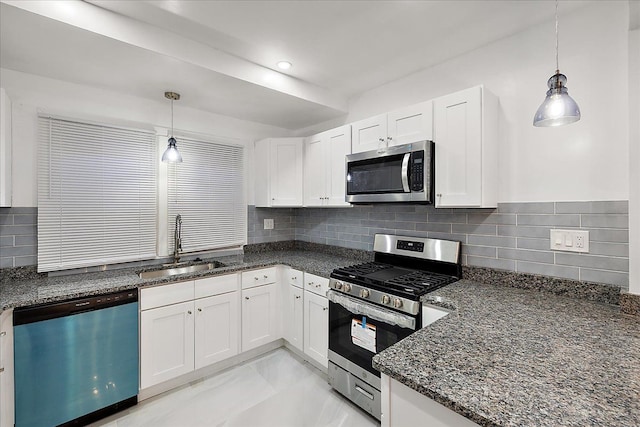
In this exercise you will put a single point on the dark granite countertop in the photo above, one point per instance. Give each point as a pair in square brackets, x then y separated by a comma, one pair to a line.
[40, 288]
[519, 357]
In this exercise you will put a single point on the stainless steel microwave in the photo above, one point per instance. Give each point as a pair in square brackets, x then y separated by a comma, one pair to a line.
[402, 173]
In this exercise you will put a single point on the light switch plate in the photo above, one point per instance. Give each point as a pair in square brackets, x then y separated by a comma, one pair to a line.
[570, 240]
[268, 224]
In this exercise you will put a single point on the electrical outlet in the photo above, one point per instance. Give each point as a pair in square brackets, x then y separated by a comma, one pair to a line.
[268, 224]
[570, 240]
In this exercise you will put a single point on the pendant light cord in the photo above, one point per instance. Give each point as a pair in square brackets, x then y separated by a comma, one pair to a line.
[172, 98]
[557, 65]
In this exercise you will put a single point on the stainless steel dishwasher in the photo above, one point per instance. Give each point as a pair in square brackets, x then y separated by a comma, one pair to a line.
[76, 361]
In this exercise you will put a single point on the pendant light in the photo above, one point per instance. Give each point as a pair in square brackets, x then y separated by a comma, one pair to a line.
[171, 154]
[558, 108]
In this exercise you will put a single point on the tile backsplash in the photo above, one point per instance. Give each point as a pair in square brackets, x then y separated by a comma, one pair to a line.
[513, 237]
[18, 237]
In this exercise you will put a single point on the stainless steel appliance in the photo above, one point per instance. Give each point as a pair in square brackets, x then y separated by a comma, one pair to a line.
[374, 305]
[76, 361]
[402, 173]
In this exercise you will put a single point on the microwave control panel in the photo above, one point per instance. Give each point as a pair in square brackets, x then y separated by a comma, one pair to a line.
[417, 171]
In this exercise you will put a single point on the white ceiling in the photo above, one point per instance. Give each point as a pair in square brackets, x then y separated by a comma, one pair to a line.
[219, 54]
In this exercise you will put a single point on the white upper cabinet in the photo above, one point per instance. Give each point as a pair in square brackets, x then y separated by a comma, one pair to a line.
[278, 172]
[324, 167]
[465, 127]
[369, 134]
[5, 150]
[403, 126]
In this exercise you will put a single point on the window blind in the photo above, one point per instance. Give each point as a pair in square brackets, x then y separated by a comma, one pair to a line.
[207, 190]
[97, 191]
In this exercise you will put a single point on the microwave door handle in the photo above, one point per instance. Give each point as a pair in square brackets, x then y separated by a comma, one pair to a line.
[405, 172]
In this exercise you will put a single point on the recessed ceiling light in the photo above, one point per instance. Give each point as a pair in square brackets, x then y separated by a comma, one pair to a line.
[284, 65]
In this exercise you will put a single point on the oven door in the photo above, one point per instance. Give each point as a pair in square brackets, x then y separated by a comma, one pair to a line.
[358, 330]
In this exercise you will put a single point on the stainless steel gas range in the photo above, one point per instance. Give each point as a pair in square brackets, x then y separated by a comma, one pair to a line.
[376, 304]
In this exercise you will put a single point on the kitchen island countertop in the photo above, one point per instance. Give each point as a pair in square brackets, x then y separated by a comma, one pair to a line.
[516, 357]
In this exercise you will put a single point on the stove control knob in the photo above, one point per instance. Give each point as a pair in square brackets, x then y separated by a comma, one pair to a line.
[386, 299]
[347, 287]
[364, 293]
[397, 302]
[338, 285]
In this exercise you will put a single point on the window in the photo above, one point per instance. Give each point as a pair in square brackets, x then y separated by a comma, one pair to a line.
[97, 201]
[207, 190]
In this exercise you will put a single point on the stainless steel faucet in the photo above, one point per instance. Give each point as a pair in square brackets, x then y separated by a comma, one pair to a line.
[177, 239]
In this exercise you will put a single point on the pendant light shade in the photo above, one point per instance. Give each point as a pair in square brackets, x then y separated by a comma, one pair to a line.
[558, 108]
[171, 154]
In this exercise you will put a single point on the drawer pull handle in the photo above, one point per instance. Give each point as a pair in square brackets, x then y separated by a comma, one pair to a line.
[294, 278]
[297, 296]
[265, 276]
[1, 370]
[257, 278]
[200, 310]
[189, 312]
[246, 297]
[364, 392]
[3, 333]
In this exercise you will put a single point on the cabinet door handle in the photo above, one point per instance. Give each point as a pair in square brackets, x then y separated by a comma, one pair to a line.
[200, 310]
[246, 297]
[189, 312]
[3, 333]
[294, 278]
[324, 308]
[439, 195]
[297, 296]
[257, 278]
[265, 276]
[389, 138]
[310, 283]
[1, 370]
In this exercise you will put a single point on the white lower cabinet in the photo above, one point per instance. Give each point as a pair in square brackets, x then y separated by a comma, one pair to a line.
[294, 317]
[179, 333]
[259, 316]
[403, 406]
[316, 327]
[166, 345]
[216, 329]
[6, 369]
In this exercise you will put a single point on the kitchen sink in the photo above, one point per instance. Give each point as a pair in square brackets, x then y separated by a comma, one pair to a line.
[173, 270]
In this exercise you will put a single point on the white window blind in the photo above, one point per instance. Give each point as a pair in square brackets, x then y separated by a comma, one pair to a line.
[207, 190]
[97, 191]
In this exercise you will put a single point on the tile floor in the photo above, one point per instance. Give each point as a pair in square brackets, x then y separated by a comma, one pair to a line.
[277, 390]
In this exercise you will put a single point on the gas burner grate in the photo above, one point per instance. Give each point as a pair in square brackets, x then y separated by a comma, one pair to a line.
[366, 268]
[420, 282]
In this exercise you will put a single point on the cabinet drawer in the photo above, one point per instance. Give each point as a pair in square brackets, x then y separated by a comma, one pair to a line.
[316, 284]
[294, 277]
[253, 278]
[217, 285]
[159, 296]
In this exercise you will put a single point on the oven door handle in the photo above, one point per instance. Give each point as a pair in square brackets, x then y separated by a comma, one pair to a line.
[405, 172]
[364, 308]
[364, 392]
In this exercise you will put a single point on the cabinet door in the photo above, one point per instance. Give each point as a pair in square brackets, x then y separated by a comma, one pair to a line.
[216, 328]
[338, 145]
[166, 343]
[458, 145]
[369, 134]
[294, 319]
[410, 124]
[316, 328]
[259, 316]
[314, 170]
[286, 172]
[6, 369]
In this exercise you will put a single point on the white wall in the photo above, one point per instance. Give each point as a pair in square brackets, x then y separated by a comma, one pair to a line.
[31, 94]
[586, 160]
